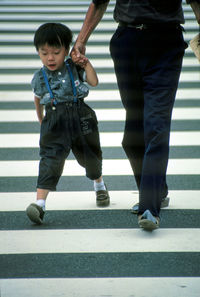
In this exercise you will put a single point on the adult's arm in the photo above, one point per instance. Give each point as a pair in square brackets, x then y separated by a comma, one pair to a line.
[93, 16]
[195, 4]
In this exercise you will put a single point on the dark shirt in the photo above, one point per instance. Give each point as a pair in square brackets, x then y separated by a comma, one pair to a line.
[148, 11]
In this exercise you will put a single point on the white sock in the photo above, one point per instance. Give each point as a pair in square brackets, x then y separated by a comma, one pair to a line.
[41, 203]
[99, 186]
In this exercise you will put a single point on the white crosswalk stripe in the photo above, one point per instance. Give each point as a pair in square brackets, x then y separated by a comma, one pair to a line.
[82, 250]
[71, 200]
[111, 286]
[108, 139]
[110, 167]
[102, 114]
[107, 241]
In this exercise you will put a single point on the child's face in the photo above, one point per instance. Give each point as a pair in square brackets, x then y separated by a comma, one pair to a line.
[52, 57]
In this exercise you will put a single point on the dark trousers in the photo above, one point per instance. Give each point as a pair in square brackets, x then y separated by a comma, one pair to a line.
[148, 65]
[68, 127]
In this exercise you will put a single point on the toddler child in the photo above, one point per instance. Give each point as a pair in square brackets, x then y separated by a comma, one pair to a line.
[68, 123]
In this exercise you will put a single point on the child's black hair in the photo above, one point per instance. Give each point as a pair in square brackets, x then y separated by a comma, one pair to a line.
[54, 34]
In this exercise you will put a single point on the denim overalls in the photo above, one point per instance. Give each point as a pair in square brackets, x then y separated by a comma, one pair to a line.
[68, 125]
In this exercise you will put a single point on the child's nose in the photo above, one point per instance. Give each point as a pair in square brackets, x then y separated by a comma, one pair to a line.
[50, 57]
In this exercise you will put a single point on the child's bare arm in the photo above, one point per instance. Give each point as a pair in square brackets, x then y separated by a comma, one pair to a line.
[39, 109]
[91, 76]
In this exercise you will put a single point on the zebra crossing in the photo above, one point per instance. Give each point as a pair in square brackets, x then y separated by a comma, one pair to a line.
[82, 250]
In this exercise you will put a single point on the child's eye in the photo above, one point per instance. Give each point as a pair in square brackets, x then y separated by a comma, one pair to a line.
[57, 53]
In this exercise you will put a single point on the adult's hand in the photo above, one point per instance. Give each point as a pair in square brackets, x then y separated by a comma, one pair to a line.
[78, 54]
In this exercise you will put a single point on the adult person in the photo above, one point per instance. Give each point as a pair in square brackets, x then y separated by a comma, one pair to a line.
[147, 49]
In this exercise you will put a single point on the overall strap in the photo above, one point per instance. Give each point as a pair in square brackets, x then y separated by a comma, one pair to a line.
[53, 101]
[72, 81]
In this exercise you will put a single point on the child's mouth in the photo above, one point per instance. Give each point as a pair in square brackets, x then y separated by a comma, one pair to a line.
[52, 65]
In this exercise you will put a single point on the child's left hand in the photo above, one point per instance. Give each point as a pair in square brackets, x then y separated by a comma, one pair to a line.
[79, 59]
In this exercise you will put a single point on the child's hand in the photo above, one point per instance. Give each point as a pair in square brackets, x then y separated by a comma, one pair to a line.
[82, 64]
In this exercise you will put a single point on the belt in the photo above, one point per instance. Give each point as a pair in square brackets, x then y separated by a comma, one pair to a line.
[135, 26]
[64, 103]
[158, 26]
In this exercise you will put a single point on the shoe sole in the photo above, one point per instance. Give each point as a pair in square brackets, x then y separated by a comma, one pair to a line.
[103, 203]
[148, 225]
[164, 203]
[34, 215]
